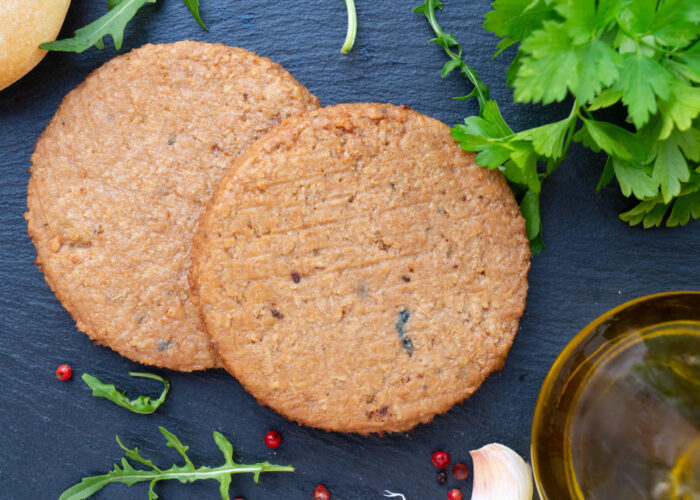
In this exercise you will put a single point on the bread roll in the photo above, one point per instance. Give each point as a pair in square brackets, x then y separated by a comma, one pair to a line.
[25, 25]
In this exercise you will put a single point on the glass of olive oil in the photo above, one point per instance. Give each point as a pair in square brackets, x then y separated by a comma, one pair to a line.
[618, 416]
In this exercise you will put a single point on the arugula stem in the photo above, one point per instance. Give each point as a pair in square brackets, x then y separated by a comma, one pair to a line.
[480, 90]
[352, 27]
[146, 475]
[187, 473]
[434, 24]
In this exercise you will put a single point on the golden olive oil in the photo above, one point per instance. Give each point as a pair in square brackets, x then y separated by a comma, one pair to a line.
[619, 415]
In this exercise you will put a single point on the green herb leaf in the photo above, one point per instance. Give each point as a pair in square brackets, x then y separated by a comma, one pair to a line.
[613, 139]
[188, 473]
[548, 140]
[193, 5]
[143, 404]
[642, 80]
[681, 108]
[633, 180]
[514, 20]
[670, 166]
[113, 23]
[607, 176]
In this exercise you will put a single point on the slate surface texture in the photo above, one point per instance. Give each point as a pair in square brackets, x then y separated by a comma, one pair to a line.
[53, 433]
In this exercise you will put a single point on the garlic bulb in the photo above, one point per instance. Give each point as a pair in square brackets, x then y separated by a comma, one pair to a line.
[500, 474]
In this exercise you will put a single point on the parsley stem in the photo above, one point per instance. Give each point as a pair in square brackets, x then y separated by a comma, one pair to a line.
[352, 27]
[639, 40]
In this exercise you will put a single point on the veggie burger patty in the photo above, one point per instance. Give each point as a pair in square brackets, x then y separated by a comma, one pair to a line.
[121, 174]
[358, 271]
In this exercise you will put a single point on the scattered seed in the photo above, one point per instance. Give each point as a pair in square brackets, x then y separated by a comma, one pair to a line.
[321, 493]
[454, 495]
[460, 472]
[273, 439]
[64, 372]
[440, 459]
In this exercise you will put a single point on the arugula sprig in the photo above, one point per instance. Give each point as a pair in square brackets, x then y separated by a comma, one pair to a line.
[187, 473]
[143, 404]
[644, 54]
[113, 23]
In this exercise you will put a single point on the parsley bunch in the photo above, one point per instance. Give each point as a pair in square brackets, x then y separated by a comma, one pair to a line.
[644, 54]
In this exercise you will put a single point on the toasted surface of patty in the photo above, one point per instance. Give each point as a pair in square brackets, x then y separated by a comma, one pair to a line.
[358, 272]
[121, 174]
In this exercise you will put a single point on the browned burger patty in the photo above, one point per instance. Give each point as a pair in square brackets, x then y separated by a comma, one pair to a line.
[358, 272]
[120, 175]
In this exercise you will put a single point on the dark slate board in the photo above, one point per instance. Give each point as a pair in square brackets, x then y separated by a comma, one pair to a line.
[53, 433]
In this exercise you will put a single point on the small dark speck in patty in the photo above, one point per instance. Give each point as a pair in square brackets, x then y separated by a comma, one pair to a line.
[399, 325]
[295, 277]
[275, 313]
[406, 278]
[164, 345]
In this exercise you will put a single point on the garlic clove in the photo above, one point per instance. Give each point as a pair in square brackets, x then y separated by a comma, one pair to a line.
[500, 474]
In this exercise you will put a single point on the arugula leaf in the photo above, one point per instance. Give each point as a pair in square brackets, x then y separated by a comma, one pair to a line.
[193, 5]
[188, 473]
[143, 404]
[113, 23]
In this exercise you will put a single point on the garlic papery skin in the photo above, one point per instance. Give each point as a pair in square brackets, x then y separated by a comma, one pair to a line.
[500, 474]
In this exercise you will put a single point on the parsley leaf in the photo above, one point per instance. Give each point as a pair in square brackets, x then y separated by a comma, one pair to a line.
[670, 166]
[642, 80]
[514, 20]
[187, 473]
[143, 404]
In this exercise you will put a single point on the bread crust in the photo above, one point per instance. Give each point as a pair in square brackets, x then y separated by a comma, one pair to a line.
[25, 25]
[358, 271]
[121, 174]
